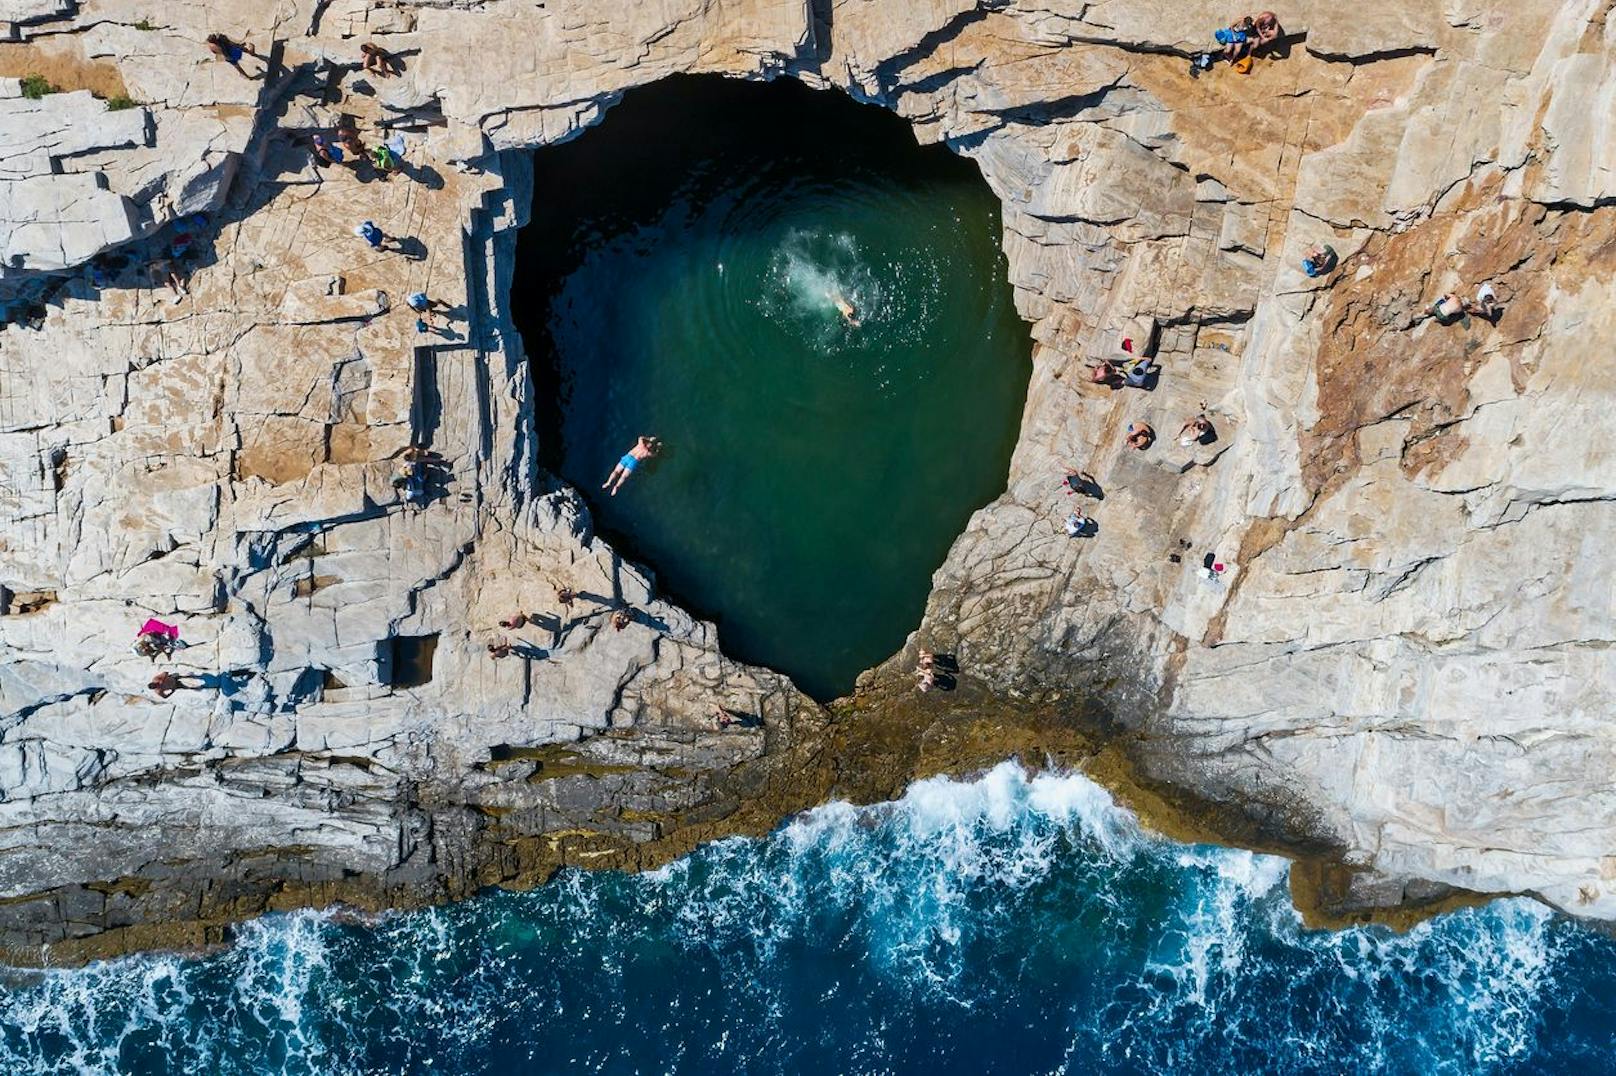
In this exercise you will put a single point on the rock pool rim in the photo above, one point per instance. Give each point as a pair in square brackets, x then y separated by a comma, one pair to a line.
[880, 712]
[748, 172]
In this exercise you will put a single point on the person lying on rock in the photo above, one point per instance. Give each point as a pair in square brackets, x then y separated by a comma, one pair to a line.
[1105, 372]
[1196, 431]
[645, 448]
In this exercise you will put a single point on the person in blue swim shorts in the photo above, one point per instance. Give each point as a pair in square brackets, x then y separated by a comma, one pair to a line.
[645, 448]
[1236, 39]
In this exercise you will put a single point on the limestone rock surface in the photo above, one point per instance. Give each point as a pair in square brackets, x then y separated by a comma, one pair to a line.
[1404, 671]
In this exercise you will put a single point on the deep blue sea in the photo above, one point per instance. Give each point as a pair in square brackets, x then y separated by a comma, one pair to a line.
[1010, 924]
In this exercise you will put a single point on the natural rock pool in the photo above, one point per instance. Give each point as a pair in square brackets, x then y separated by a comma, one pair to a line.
[680, 279]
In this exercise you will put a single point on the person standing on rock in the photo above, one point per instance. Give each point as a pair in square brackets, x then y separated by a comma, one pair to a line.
[371, 234]
[428, 309]
[622, 619]
[164, 684]
[645, 448]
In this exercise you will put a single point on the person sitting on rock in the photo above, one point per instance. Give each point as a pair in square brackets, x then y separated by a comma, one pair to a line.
[232, 52]
[1196, 431]
[1265, 32]
[1318, 259]
[348, 135]
[499, 648]
[409, 478]
[1140, 435]
[1077, 524]
[511, 623]
[328, 152]
[1486, 304]
[645, 448]
[1237, 39]
[378, 61]
[1139, 372]
[156, 638]
[167, 271]
[1448, 309]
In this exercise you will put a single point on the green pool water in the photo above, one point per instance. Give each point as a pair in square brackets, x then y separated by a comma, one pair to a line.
[677, 280]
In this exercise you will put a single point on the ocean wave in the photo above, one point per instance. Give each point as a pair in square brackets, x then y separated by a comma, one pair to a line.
[1014, 922]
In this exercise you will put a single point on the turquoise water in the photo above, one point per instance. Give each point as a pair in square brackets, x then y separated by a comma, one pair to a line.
[680, 279]
[1003, 925]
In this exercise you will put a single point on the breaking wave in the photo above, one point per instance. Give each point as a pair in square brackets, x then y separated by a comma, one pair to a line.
[1012, 923]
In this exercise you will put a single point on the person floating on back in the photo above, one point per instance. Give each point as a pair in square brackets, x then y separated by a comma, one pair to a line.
[645, 448]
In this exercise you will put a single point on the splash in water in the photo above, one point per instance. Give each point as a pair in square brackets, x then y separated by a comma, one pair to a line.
[809, 279]
[1010, 924]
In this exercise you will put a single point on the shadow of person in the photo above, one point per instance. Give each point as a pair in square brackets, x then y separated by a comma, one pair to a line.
[410, 247]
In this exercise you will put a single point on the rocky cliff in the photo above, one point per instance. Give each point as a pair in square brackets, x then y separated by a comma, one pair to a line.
[1403, 675]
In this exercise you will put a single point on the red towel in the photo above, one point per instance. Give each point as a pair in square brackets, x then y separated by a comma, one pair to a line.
[157, 627]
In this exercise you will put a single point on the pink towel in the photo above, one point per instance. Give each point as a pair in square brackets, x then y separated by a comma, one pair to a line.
[157, 627]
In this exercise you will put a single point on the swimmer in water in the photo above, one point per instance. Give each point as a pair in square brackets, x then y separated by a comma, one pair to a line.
[643, 449]
[848, 311]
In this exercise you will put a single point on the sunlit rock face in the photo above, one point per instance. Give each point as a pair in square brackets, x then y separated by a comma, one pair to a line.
[1403, 668]
[819, 459]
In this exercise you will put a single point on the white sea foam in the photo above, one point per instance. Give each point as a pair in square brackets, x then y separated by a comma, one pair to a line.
[923, 890]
